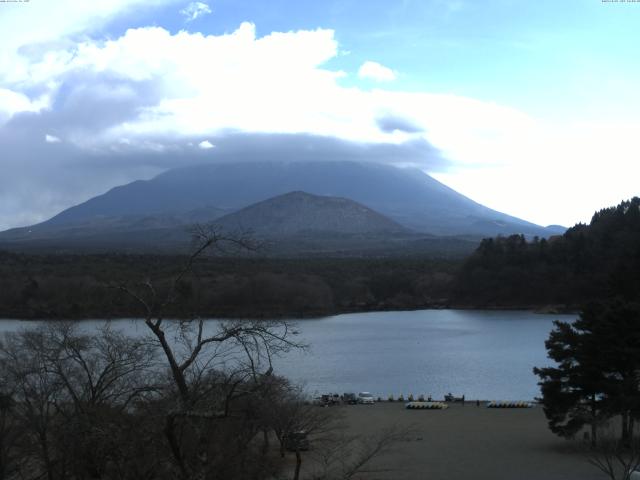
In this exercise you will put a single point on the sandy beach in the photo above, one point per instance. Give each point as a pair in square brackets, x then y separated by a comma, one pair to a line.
[469, 442]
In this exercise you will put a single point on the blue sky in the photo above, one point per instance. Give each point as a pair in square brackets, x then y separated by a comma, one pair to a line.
[553, 59]
[534, 105]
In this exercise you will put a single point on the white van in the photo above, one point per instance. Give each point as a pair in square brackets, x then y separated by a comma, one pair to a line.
[366, 398]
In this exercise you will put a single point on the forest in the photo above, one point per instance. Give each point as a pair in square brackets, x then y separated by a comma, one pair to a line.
[594, 261]
[86, 286]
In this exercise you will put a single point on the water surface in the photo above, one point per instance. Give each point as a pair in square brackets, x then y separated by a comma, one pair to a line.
[481, 354]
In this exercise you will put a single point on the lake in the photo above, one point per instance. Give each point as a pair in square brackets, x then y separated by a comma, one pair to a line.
[481, 354]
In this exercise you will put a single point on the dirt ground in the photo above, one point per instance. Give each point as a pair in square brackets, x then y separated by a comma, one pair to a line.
[469, 442]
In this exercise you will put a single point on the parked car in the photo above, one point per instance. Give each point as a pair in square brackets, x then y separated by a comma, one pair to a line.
[349, 398]
[296, 441]
[366, 398]
[329, 399]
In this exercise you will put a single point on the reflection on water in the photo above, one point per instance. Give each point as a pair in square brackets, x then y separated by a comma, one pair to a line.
[481, 354]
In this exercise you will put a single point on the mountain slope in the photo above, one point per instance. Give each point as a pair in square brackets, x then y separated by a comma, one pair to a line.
[407, 196]
[296, 224]
[300, 213]
[110, 228]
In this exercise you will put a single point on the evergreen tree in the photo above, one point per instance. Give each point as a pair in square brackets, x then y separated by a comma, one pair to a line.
[596, 261]
[597, 372]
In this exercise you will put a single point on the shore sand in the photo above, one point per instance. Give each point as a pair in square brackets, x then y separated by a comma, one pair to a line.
[469, 442]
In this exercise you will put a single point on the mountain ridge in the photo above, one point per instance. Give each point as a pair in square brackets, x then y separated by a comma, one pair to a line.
[408, 196]
[162, 207]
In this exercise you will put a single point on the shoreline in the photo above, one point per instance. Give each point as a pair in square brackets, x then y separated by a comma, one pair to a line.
[537, 309]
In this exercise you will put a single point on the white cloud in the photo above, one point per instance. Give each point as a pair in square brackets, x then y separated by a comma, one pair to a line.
[376, 71]
[39, 25]
[206, 145]
[51, 139]
[14, 102]
[11, 102]
[270, 84]
[195, 10]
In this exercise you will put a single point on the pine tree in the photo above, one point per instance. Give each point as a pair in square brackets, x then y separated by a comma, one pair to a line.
[597, 372]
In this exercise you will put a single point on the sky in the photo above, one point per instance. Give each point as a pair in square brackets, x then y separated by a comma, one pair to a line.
[530, 108]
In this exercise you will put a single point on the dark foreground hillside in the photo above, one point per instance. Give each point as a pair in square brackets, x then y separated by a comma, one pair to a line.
[85, 286]
[588, 262]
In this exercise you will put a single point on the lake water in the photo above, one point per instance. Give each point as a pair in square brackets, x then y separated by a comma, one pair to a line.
[481, 354]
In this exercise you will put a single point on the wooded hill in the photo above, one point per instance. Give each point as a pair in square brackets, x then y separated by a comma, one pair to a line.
[588, 262]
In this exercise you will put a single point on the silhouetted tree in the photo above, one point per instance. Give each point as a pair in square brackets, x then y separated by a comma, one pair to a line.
[69, 392]
[597, 372]
[218, 371]
[596, 261]
[10, 434]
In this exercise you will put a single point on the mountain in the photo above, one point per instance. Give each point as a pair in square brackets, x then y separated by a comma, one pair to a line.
[301, 213]
[296, 224]
[408, 196]
[159, 210]
[112, 231]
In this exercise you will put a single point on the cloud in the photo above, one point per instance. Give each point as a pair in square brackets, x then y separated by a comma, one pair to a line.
[392, 123]
[269, 147]
[40, 179]
[195, 10]
[11, 102]
[46, 180]
[149, 80]
[14, 102]
[51, 139]
[47, 24]
[375, 71]
[206, 145]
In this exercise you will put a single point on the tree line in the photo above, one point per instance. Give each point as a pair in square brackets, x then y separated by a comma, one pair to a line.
[595, 261]
[79, 286]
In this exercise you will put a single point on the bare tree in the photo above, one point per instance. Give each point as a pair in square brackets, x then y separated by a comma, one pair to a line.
[10, 435]
[215, 368]
[69, 392]
[330, 452]
[35, 391]
[294, 420]
[614, 457]
[344, 457]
